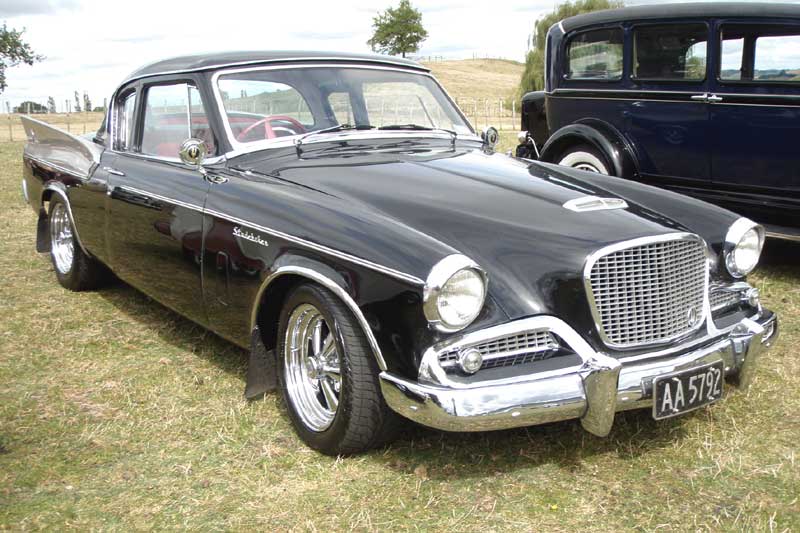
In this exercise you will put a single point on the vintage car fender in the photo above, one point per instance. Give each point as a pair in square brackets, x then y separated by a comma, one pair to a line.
[603, 137]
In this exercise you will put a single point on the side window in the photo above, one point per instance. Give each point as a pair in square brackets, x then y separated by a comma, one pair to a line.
[670, 52]
[125, 122]
[340, 105]
[764, 53]
[174, 113]
[595, 55]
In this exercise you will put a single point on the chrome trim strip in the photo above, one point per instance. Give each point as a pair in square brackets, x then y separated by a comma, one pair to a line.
[784, 236]
[291, 238]
[438, 276]
[594, 203]
[329, 284]
[57, 168]
[244, 148]
[25, 194]
[287, 61]
[63, 195]
[592, 259]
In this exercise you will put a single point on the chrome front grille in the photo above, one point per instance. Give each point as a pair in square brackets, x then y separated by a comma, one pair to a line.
[520, 348]
[722, 298]
[648, 291]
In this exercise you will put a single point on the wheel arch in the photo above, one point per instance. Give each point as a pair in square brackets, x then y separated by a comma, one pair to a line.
[287, 273]
[599, 135]
[42, 229]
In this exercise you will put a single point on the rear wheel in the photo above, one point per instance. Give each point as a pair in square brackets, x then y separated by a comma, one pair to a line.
[75, 270]
[329, 376]
[586, 158]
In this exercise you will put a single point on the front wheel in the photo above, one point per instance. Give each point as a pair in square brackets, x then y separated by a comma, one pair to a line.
[584, 158]
[75, 270]
[329, 376]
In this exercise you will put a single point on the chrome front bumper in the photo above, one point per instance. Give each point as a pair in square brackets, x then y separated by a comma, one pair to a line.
[593, 392]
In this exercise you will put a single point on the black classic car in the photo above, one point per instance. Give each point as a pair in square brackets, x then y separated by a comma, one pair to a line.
[702, 99]
[338, 216]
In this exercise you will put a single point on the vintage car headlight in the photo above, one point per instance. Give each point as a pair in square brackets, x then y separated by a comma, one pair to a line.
[454, 293]
[743, 245]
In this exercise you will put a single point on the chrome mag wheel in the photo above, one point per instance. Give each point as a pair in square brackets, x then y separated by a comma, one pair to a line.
[312, 367]
[61, 241]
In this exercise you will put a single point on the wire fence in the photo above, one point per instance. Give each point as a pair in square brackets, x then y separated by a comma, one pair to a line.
[502, 113]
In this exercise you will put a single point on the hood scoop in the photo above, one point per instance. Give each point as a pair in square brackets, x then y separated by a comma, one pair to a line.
[594, 203]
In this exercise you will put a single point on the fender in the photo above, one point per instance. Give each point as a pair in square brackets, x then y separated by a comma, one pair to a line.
[43, 226]
[325, 276]
[601, 136]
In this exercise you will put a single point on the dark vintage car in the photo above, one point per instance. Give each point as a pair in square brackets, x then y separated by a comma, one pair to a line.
[702, 99]
[337, 216]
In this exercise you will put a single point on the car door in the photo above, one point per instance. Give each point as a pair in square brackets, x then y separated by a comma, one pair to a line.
[755, 119]
[155, 212]
[667, 114]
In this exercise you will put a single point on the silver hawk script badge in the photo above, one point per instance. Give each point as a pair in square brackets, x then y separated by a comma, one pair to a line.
[249, 236]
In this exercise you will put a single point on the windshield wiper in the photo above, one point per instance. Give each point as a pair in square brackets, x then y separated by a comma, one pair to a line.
[420, 127]
[332, 129]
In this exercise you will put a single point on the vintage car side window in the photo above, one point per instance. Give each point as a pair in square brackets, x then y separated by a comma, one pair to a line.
[762, 53]
[670, 52]
[125, 122]
[595, 55]
[167, 115]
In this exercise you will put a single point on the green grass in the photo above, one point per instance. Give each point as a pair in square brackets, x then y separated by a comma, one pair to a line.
[116, 413]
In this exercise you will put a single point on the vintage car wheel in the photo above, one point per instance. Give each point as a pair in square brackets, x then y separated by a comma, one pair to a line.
[584, 158]
[329, 377]
[75, 270]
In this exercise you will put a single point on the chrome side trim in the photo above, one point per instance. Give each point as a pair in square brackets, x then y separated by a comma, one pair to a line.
[438, 276]
[783, 236]
[735, 233]
[592, 259]
[291, 238]
[332, 286]
[57, 168]
[25, 194]
[59, 191]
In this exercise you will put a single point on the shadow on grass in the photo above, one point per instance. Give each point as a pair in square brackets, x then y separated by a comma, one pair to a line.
[779, 255]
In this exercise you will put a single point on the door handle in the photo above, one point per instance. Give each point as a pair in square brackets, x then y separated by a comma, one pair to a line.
[114, 171]
[713, 98]
[701, 97]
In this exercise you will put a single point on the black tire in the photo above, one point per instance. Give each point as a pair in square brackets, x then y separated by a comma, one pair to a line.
[584, 157]
[78, 272]
[362, 420]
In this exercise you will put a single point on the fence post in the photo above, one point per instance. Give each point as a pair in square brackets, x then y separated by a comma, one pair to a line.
[486, 112]
[10, 130]
[68, 121]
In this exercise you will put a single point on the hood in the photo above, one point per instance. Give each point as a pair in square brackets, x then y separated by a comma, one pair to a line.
[508, 215]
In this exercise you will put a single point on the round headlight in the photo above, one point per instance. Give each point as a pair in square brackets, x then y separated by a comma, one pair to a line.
[461, 298]
[745, 243]
[454, 293]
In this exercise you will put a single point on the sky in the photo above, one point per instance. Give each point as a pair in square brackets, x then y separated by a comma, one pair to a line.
[92, 45]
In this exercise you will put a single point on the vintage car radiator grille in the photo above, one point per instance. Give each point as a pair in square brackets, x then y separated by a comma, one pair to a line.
[720, 298]
[521, 348]
[649, 293]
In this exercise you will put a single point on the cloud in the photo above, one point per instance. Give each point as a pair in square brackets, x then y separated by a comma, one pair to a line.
[16, 8]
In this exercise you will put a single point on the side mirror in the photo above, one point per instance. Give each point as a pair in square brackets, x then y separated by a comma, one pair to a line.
[490, 136]
[193, 152]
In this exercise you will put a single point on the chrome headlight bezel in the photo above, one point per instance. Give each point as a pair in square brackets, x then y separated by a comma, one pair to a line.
[438, 277]
[734, 237]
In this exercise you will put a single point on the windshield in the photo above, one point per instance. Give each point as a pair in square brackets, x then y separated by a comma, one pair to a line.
[273, 103]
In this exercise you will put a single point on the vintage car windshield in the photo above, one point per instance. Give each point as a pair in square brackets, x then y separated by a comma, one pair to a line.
[274, 103]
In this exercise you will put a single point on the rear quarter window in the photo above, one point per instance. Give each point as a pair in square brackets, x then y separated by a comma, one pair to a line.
[595, 55]
[670, 52]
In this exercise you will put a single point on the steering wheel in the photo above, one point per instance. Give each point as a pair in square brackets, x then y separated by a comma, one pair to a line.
[269, 132]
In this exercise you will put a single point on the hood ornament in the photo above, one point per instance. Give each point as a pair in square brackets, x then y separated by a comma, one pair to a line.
[594, 203]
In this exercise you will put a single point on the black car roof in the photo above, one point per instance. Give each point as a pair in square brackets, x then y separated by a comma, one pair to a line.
[200, 62]
[671, 11]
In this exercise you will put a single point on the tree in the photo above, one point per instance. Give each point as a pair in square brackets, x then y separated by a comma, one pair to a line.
[87, 104]
[51, 104]
[77, 102]
[397, 31]
[533, 75]
[14, 51]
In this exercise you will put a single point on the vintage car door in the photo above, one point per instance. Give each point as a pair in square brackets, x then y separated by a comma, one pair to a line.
[155, 213]
[667, 117]
[755, 120]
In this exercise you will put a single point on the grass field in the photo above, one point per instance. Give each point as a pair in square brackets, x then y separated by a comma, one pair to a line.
[118, 414]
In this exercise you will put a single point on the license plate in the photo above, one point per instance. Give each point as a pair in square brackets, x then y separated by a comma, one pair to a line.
[684, 391]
